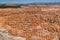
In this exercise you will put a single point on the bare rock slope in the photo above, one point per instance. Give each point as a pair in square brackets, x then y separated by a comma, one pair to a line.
[30, 23]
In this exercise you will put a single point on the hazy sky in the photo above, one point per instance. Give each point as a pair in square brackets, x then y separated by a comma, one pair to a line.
[27, 1]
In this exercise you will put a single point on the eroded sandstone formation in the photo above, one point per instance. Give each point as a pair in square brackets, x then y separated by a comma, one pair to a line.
[32, 23]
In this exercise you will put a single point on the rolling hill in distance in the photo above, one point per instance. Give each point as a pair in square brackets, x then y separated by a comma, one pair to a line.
[7, 5]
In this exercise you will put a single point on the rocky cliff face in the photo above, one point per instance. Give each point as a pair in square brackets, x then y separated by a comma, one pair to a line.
[4, 35]
[30, 23]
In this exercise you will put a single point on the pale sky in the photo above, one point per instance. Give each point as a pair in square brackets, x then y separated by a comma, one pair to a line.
[27, 1]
